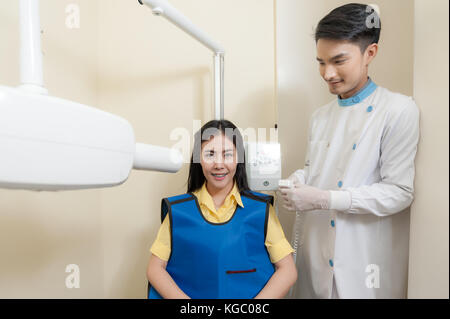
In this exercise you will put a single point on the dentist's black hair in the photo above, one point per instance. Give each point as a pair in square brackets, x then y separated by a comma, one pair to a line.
[354, 22]
[208, 131]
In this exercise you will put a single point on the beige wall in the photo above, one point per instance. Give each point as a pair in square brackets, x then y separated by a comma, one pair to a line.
[301, 90]
[126, 61]
[428, 267]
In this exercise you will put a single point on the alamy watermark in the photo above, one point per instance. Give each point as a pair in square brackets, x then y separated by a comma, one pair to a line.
[73, 279]
[373, 19]
[189, 142]
[373, 279]
[73, 16]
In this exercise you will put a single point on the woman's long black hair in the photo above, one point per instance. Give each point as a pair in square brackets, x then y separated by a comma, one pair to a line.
[208, 131]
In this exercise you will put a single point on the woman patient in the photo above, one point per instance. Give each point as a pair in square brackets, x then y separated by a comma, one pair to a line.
[220, 240]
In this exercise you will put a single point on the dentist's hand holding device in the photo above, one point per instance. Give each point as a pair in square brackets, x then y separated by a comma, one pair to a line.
[297, 196]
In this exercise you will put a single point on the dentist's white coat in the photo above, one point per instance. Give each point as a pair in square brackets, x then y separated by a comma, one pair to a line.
[366, 148]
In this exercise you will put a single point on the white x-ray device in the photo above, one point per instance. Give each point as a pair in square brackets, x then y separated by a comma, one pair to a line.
[263, 165]
[49, 143]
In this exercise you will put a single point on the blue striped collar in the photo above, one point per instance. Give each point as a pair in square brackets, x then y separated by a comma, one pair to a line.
[360, 96]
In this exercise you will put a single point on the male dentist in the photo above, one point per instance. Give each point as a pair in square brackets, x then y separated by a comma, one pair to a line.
[356, 187]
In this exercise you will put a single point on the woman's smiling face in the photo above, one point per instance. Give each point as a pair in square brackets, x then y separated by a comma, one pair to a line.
[219, 162]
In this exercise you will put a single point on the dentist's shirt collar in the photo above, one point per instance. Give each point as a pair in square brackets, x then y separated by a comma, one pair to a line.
[367, 90]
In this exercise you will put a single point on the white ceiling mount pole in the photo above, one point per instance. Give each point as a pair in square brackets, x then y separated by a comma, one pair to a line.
[164, 9]
[31, 75]
[218, 86]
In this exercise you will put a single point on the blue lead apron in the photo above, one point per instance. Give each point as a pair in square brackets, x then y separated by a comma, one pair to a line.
[218, 260]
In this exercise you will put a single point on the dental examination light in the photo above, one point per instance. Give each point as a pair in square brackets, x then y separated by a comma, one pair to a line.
[49, 143]
[164, 9]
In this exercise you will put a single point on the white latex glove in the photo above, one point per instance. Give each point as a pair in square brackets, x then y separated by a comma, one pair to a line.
[297, 178]
[295, 181]
[303, 198]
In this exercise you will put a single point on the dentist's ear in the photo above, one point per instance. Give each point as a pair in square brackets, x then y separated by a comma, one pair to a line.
[370, 53]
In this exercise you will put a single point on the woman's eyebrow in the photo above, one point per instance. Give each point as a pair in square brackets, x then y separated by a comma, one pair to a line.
[212, 150]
